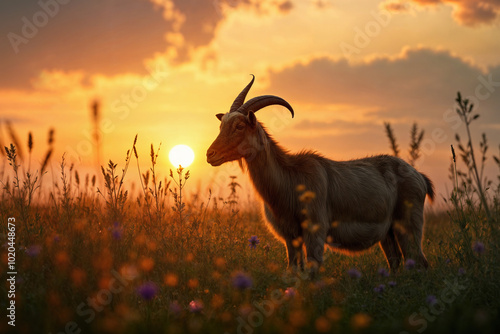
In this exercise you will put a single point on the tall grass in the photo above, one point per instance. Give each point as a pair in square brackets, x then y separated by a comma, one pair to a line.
[170, 260]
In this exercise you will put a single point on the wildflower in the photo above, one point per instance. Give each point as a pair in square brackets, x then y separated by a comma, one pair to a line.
[245, 309]
[241, 281]
[217, 301]
[129, 271]
[297, 318]
[392, 284]
[175, 308]
[195, 306]
[297, 243]
[410, 264]
[62, 259]
[307, 197]
[290, 293]
[461, 271]
[147, 291]
[447, 261]
[322, 325]
[360, 321]
[33, 251]
[171, 279]
[478, 247]
[117, 231]
[220, 263]
[334, 313]
[354, 273]
[379, 288]
[147, 264]
[383, 272]
[300, 188]
[193, 283]
[431, 300]
[254, 241]
[78, 276]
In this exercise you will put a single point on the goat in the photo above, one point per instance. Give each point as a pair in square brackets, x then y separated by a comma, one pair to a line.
[356, 203]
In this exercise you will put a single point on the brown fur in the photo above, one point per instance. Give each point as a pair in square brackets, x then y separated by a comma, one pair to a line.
[357, 203]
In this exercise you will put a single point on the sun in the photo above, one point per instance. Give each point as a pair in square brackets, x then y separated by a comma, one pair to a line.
[181, 155]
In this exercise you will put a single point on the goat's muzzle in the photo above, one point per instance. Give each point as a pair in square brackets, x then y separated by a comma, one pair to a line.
[213, 158]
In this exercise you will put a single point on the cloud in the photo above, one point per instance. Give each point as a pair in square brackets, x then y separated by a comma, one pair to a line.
[467, 12]
[342, 106]
[106, 37]
[419, 83]
[91, 36]
[395, 6]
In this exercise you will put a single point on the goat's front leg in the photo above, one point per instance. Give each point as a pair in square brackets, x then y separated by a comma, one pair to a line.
[295, 256]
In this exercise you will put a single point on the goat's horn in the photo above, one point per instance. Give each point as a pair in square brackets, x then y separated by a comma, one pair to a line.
[260, 102]
[238, 102]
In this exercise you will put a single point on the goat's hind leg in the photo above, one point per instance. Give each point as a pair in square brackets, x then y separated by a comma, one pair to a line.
[409, 234]
[315, 247]
[295, 256]
[391, 250]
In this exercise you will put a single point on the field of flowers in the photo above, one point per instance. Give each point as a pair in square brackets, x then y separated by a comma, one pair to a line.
[92, 259]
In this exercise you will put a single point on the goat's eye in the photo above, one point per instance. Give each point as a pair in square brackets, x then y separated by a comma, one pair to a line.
[240, 127]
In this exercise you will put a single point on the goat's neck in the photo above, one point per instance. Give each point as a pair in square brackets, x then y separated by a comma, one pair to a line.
[266, 168]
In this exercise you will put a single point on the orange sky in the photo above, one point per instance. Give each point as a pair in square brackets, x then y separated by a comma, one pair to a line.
[163, 68]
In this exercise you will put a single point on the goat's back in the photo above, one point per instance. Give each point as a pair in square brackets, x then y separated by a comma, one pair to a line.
[370, 189]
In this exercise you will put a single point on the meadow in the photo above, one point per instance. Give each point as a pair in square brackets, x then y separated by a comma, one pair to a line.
[92, 258]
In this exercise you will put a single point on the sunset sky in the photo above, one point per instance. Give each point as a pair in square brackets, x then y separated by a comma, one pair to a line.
[163, 68]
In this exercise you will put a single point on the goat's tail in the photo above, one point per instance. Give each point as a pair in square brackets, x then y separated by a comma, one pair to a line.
[430, 187]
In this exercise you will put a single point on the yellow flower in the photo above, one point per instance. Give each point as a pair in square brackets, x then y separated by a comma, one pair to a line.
[171, 279]
[300, 188]
[307, 197]
[360, 321]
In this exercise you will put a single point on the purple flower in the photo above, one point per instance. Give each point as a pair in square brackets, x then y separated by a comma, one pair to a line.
[478, 247]
[33, 250]
[290, 293]
[254, 241]
[195, 306]
[383, 272]
[379, 288]
[410, 264]
[431, 300]
[117, 231]
[392, 284]
[354, 273]
[461, 271]
[147, 291]
[447, 261]
[241, 281]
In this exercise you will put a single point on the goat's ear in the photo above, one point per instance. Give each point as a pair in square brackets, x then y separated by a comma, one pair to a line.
[252, 119]
[219, 116]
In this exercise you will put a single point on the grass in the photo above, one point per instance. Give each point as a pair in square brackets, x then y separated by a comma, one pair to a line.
[99, 261]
